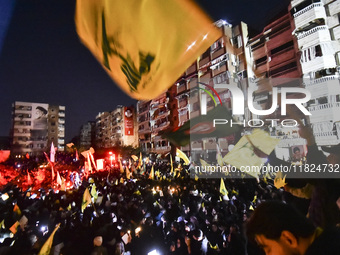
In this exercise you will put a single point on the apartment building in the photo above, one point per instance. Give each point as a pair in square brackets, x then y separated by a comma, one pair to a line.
[35, 126]
[87, 135]
[116, 128]
[153, 119]
[317, 32]
[222, 63]
[276, 64]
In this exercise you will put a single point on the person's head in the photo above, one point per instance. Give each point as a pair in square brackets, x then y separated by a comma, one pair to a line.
[40, 111]
[279, 228]
[297, 153]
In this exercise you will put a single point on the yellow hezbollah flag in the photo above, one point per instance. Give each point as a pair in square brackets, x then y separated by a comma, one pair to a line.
[17, 210]
[94, 193]
[243, 155]
[86, 200]
[181, 155]
[223, 189]
[144, 45]
[152, 174]
[140, 162]
[46, 248]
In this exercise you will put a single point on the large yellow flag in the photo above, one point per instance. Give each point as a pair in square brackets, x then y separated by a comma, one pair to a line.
[182, 155]
[86, 200]
[223, 189]
[46, 248]
[144, 45]
[242, 155]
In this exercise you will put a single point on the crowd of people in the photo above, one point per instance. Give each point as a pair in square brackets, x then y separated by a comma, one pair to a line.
[165, 213]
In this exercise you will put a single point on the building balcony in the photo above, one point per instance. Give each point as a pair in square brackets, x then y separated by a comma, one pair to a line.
[313, 36]
[323, 86]
[334, 8]
[144, 131]
[289, 142]
[162, 126]
[160, 150]
[318, 63]
[61, 114]
[332, 21]
[296, 2]
[324, 112]
[312, 12]
[327, 138]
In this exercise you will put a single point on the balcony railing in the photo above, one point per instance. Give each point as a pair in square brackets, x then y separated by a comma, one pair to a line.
[296, 2]
[308, 14]
[320, 80]
[324, 106]
[318, 63]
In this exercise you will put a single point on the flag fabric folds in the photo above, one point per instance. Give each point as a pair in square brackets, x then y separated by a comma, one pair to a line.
[46, 248]
[86, 200]
[182, 155]
[243, 152]
[144, 45]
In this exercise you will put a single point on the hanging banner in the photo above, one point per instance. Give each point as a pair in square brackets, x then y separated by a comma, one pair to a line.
[128, 120]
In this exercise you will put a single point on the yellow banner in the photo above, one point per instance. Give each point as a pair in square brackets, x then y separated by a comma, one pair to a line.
[144, 45]
[242, 155]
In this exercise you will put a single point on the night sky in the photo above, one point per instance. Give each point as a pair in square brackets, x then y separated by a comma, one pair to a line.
[42, 59]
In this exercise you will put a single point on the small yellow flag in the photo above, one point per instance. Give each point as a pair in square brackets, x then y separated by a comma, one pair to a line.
[204, 163]
[223, 189]
[46, 248]
[134, 157]
[121, 167]
[86, 200]
[2, 224]
[171, 165]
[17, 210]
[140, 162]
[182, 155]
[280, 180]
[144, 45]
[152, 174]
